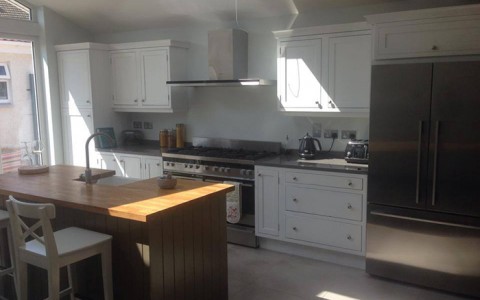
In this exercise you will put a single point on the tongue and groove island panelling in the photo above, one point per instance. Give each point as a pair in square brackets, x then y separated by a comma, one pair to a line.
[167, 244]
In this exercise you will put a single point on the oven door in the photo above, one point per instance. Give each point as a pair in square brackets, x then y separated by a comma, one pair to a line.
[243, 232]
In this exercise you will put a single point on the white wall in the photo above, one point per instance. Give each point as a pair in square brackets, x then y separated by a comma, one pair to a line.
[55, 30]
[251, 113]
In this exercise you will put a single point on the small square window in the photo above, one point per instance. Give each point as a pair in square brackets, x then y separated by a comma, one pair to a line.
[5, 97]
[4, 72]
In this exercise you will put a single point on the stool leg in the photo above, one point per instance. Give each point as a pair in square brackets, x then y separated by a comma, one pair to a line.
[22, 277]
[106, 258]
[12, 256]
[70, 282]
[53, 282]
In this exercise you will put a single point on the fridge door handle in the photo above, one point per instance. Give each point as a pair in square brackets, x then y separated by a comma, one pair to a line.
[435, 159]
[388, 215]
[419, 160]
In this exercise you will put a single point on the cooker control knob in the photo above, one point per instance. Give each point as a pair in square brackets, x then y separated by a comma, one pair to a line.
[190, 166]
[167, 164]
[172, 164]
[242, 172]
[197, 167]
[206, 168]
[215, 169]
[249, 172]
[227, 170]
[186, 166]
[222, 169]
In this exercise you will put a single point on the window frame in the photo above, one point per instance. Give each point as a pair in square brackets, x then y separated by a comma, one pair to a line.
[7, 71]
[27, 5]
[8, 100]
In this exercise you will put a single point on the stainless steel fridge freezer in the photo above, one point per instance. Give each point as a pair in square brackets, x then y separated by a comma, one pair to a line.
[423, 215]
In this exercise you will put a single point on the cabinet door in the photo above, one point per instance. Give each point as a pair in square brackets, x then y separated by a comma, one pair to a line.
[299, 75]
[266, 202]
[74, 79]
[77, 127]
[399, 114]
[152, 167]
[154, 75]
[125, 79]
[455, 138]
[130, 166]
[349, 62]
[109, 161]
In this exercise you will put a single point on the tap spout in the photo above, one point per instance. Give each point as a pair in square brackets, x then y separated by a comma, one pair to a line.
[88, 171]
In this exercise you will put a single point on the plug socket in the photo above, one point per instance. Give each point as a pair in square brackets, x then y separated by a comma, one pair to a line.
[329, 133]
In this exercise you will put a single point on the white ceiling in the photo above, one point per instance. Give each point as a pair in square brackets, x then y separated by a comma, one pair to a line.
[101, 16]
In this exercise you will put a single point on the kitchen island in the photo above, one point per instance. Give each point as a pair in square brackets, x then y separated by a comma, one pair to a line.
[167, 244]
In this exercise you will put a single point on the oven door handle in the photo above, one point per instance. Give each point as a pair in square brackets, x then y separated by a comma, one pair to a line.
[220, 181]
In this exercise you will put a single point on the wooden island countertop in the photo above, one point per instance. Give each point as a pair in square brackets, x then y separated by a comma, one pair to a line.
[167, 244]
[134, 201]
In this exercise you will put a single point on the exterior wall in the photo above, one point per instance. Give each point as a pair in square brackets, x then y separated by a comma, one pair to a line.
[16, 120]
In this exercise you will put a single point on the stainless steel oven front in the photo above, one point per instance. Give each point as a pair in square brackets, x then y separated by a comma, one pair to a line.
[243, 232]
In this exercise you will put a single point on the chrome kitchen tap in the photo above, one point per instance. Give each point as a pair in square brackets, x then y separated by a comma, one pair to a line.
[88, 171]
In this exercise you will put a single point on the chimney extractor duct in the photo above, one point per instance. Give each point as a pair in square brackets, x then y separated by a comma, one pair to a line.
[227, 61]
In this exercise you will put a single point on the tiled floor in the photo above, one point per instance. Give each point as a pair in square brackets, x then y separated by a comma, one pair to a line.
[263, 274]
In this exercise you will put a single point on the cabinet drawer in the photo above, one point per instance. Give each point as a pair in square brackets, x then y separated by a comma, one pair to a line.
[326, 232]
[324, 203]
[343, 182]
[432, 39]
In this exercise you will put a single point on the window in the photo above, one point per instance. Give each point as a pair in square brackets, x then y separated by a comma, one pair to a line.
[5, 94]
[14, 10]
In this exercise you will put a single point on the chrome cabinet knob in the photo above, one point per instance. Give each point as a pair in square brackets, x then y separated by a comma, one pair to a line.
[349, 206]
[350, 183]
[259, 174]
[294, 228]
[136, 100]
[158, 164]
[295, 178]
[294, 200]
[349, 237]
[434, 47]
[88, 101]
[143, 100]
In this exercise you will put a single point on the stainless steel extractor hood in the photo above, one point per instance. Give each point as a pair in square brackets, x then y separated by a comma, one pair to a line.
[227, 61]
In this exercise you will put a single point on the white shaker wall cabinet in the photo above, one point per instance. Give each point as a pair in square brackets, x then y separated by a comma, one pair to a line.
[313, 208]
[325, 71]
[140, 72]
[433, 32]
[84, 81]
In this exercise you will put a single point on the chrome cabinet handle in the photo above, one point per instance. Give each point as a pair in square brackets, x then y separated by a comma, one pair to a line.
[89, 116]
[350, 183]
[349, 206]
[434, 47]
[143, 100]
[136, 100]
[435, 162]
[259, 174]
[158, 164]
[294, 228]
[349, 237]
[295, 178]
[294, 200]
[419, 159]
[88, 101]
[122, 160]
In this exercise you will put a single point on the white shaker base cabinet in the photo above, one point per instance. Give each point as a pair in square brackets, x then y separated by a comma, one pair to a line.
[313, 208]
[131, 165]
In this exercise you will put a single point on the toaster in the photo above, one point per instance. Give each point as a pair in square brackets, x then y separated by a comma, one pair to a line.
[357, 151]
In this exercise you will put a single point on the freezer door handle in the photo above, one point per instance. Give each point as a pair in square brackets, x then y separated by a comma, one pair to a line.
[388, 215]
[419, 160]
[435, 159]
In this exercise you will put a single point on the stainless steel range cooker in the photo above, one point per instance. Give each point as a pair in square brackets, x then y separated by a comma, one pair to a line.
[218, 160]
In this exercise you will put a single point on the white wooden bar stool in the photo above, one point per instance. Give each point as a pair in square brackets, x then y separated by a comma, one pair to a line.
[5, 224]
[54, 250]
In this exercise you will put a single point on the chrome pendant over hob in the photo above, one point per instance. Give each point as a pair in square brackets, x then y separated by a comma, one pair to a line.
[218, 160]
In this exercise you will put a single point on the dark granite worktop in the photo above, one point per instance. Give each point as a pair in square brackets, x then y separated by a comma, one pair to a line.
[329, 161]
[151, 148]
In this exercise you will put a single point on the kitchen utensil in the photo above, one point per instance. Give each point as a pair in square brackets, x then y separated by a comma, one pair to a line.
[307, 148]
[132, 137]
[163, 138]
[357, 151]
[180, 135]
